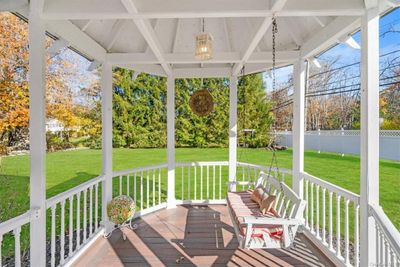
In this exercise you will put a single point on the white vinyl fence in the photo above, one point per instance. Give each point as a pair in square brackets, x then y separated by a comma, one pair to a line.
[344, 142]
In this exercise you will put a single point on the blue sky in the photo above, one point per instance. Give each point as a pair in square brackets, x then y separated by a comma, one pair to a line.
[346, 55]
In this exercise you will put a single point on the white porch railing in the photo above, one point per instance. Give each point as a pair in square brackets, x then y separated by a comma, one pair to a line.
[146, 185]
[328, 215]
[387, 239]
[74, 220]
[331, 215]
[11, 229]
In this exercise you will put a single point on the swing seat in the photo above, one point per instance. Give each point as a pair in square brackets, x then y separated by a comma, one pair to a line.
[277, 228]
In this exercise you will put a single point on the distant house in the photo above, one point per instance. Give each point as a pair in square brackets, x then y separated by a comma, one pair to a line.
[54, 126]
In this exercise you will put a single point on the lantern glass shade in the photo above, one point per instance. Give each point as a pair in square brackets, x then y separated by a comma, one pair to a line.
[204, 47]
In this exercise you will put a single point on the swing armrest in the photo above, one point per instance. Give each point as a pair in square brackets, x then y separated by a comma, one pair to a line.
[271, 221]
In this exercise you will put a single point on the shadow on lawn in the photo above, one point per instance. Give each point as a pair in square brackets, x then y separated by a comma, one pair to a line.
[80, 178]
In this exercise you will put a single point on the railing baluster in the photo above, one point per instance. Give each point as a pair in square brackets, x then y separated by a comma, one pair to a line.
[195, 182]
[312, 207]
[53, 237]
[1, 244]
[141, 190]
[220, 182]
[189, 198]
[214, 182]
[91, 210]
[378, 243]
[159, 185]
[182, 174]
[243, 177]
[120, 185]
[387, 263]
[84, 215]
[127, 185]
[134, 187]
[356, 235]
[17, 245]
[307, 204]
[382, 249]
[78, 220]
[317, 207]
[201, 182]
[338, 252]
[96, 207]
[346, 232]
[147, 189]
[154, 187]
[62, 232]
[330, 222]
[208, 182]
[71, 224]
[324, 216]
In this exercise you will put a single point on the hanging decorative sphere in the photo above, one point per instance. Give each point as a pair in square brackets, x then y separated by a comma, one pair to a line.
[121, 209]
[201, 102]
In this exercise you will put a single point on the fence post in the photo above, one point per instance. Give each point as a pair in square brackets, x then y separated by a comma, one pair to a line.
[342, 141]
[319, 141]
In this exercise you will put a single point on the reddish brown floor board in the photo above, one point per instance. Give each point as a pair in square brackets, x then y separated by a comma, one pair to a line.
[191, 236]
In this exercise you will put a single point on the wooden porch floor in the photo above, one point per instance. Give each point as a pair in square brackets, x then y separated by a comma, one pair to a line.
[191, 236]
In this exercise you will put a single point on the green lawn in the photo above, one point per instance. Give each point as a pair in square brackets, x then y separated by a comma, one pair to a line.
[67, 169]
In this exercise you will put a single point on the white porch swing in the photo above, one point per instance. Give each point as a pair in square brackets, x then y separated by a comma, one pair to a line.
[276, 226]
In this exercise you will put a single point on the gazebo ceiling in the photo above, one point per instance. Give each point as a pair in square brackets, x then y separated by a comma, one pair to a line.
[157, 36]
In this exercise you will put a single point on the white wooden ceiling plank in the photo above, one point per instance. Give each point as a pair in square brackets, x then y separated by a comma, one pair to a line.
[278, 5]
[149, 35]
[114, 33]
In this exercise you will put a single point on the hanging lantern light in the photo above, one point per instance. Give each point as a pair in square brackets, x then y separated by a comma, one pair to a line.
[204, 47]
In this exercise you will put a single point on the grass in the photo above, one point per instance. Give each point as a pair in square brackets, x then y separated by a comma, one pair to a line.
[68, 169]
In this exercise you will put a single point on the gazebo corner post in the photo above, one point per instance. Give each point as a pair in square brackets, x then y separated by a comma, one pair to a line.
[232, 132]
[299, 81]
[369, 148]
[171, 202]
[107, 136]
[37, 133]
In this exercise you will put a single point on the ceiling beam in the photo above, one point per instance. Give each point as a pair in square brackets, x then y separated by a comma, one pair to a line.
[114, 33]
[188, 58]
[150, 69]
[202, 72]
[77, 38]
[277, 6]
[149, 35]
[328, 35]
[75, 9]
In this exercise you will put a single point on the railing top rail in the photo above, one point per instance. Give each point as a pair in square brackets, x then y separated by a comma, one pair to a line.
[139, 169]
[264, 168]
[391, 233]
[333, 188]
[202, 163]
[64, 195]
[15, 222]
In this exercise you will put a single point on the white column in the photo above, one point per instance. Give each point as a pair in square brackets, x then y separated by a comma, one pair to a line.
[369, 149]
[232, 131]
[37, 134]
[106, 120]
[299, 74]
[171, 141]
